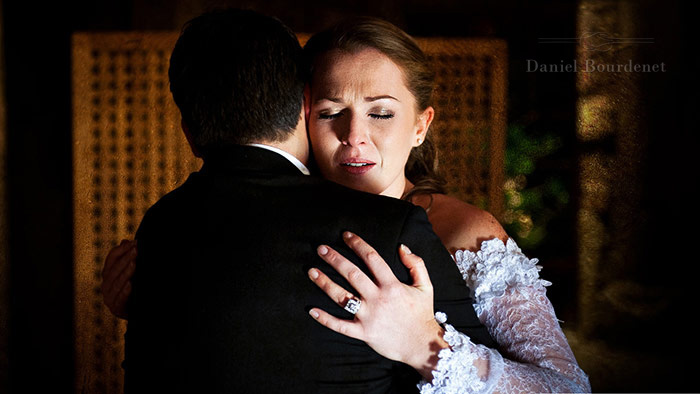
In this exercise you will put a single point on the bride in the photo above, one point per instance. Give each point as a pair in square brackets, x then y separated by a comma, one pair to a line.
[368, 112]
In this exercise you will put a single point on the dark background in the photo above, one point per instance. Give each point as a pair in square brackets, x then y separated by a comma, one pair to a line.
[39, 184]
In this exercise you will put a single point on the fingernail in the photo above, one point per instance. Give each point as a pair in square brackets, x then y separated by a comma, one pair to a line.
[406, 249]
[347, 234]
[313, 273]
[322, 250]
[313, 314]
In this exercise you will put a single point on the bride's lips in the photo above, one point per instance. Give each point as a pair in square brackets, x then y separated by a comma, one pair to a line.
[356, 166]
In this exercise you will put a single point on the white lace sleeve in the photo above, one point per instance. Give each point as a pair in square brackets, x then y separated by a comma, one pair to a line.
[511, 301]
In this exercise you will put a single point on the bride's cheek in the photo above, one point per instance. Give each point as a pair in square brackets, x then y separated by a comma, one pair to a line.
[324, 157]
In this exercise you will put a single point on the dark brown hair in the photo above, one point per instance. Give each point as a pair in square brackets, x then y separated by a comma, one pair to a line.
[359, 33]
[237, 76]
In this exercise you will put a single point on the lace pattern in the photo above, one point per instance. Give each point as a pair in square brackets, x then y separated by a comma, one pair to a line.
[495, 267]
[457, 371]
[511, 301]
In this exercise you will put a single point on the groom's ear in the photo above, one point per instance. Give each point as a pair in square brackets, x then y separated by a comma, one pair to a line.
[307, 103]
[189, 138]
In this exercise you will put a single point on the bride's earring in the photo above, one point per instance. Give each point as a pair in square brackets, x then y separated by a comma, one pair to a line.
[420, 141]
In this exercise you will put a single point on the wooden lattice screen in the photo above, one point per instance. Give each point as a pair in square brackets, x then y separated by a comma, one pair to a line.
[129, 151]
[470, 117]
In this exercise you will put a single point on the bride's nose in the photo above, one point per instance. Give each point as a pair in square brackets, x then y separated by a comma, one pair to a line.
[355, 133]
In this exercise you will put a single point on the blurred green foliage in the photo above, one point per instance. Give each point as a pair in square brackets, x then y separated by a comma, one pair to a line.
[533, 197]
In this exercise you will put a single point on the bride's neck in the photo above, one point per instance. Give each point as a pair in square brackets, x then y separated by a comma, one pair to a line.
[398, 189]
[423, 200]
[407, 188]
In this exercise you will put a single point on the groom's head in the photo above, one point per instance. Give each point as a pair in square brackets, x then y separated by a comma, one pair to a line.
[237, 78]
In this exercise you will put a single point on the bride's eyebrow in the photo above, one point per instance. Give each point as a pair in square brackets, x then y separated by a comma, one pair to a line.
[332, 99]
[367, 99]
[386, 96]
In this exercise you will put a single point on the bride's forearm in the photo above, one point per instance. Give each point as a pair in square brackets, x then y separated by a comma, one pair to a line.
[425, 355]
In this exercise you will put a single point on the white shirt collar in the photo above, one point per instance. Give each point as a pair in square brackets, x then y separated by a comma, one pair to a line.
[298, 164]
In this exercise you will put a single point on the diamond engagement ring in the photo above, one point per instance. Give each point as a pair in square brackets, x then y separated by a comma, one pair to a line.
[353, 305]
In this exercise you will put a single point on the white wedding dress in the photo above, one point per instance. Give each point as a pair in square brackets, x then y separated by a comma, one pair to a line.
[510, 300]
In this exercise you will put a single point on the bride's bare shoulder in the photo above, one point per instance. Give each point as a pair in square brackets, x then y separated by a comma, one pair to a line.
[461, 225]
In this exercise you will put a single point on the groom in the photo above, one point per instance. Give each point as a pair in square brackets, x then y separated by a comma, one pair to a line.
[221, 286]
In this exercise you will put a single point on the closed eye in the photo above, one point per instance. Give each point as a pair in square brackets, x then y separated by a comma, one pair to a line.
[377, 116]
[325, 115]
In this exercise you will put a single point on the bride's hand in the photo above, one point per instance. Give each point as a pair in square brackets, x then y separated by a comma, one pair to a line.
[394, 319]
[116, 277]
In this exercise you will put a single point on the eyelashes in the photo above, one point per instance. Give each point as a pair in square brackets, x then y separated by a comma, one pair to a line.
[336, 115]
[376, 116]
[329, 116]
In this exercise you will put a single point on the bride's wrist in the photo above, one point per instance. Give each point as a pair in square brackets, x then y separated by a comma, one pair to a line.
[425, 358]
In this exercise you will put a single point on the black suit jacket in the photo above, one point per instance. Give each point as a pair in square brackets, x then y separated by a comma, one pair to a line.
[221, 291]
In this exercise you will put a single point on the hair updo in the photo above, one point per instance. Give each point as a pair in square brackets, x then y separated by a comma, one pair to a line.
[360, 33]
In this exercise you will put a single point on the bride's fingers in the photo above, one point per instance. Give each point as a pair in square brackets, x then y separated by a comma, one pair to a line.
[119, 309]
[336, 292]
[122, 283]
[379, 268]
[416, 266]
[119, 271]
[348, 328]
[115, 256]
[357, 279]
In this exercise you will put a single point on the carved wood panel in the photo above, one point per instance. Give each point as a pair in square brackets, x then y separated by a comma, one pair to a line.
[128, 152]
[470, 116]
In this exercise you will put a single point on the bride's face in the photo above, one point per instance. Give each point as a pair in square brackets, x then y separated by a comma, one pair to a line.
[363, 121]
